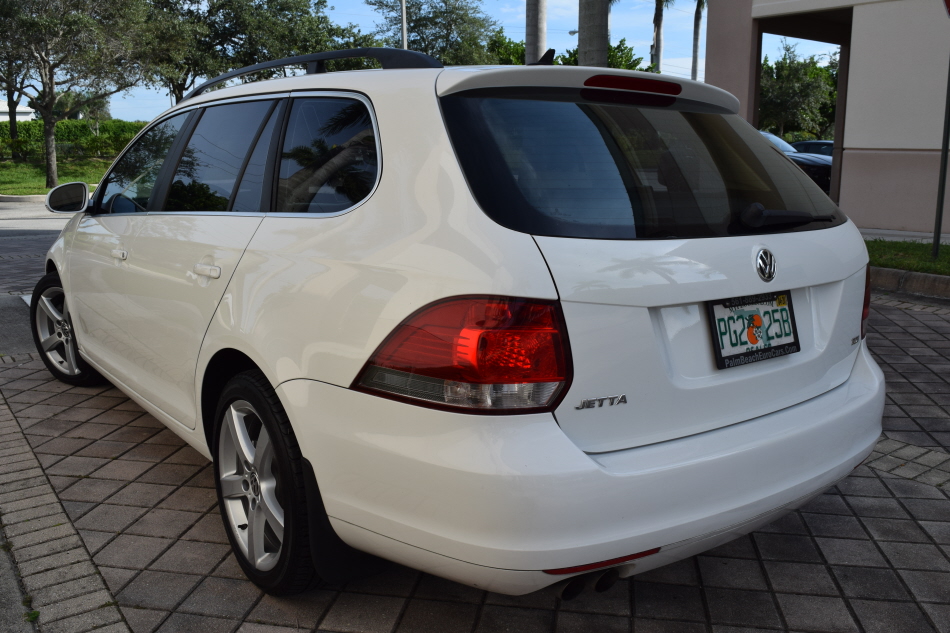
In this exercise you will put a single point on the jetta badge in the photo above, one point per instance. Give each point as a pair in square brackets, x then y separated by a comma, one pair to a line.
[765, 265]
[590, 403]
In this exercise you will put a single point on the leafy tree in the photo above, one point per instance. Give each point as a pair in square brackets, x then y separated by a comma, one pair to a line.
[14, 75]
[505, 50]
[793, 93]
[457, 32]
[79, 105]
[180, 45]
[195, 39]
[90, 47]
[619, 55]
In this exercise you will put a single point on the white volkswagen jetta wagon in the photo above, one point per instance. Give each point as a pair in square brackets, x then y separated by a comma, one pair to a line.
[512, 326]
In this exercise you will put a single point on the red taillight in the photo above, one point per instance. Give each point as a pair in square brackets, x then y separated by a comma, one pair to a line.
[866, 312]
[603, 563]
[486, 354]
[637, 84]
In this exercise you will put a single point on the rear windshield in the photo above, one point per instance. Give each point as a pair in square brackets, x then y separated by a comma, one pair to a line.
[608, 165]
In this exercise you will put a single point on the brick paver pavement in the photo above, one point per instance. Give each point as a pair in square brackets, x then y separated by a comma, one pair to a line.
[870, 555]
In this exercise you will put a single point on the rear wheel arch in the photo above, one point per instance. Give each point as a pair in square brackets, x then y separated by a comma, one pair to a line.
[51, 266]
[223, 366]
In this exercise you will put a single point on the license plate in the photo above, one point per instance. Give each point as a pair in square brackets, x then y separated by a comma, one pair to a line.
[754, 328]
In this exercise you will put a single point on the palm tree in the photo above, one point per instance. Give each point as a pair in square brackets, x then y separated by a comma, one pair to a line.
[697, 22]
[593, 35]
[535, 30]
[593, 32]
[656, 51]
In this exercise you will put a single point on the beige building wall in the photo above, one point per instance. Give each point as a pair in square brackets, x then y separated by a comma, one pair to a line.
[897, 89]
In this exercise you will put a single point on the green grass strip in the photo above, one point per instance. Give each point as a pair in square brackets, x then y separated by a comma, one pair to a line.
[26, 179]
[913, 256]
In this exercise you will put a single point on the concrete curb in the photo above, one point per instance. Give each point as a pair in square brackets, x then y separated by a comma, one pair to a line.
[5, 198]
[905, 281]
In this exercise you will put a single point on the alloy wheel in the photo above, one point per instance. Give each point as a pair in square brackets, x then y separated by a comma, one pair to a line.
[55, 329]
[250, 486]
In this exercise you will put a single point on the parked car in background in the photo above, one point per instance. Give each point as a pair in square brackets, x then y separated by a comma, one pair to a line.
[817, 166]
[824, 148]
[512, 326]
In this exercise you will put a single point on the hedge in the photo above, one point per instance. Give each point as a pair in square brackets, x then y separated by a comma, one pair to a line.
[71, 130]
[72, 137]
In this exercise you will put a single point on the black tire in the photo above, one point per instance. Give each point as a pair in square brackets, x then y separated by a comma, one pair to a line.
[50, 321]
[250, 399]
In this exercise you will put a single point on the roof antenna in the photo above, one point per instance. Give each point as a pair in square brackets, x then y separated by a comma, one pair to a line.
[546, 60]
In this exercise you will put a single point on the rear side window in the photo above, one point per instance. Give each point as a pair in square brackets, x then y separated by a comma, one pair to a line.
[129, 186]
[328, 161]
[586, 164]
[215, 156]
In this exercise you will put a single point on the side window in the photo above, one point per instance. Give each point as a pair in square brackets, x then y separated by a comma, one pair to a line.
[328, 161]
[128, 187]
[212, 161]
[247, 199]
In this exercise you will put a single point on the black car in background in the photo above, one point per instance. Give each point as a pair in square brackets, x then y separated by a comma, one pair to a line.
[817, 166]
[815, 147]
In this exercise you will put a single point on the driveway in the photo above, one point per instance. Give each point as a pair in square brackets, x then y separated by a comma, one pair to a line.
[112, 522]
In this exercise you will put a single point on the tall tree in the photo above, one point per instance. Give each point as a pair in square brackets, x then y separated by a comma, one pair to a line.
[536, 30]
[180, 46]
[793, 93]
[15, 72]
[456, 32]
[593, 32]
[697, 25]
[195, 39]
[14, 75]
[75, 46]
[656, 51]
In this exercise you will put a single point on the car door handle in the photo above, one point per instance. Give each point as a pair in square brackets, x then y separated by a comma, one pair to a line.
[207, 270]
[120, 254]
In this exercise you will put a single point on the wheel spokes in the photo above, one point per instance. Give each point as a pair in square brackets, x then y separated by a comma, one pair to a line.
[239, 435]
[273, 513]
[50, 342]
[72, 367]
[50, 310]
[255, 536]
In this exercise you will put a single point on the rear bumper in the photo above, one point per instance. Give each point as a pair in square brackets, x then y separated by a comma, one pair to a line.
[491, 501]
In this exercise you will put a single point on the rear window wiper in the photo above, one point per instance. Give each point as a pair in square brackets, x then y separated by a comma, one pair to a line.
[756, 216]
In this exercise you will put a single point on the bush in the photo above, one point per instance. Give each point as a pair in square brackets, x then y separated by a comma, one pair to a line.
[73, 138]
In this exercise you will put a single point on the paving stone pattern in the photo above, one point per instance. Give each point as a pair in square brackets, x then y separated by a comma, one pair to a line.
[22, 263]
[871, 555]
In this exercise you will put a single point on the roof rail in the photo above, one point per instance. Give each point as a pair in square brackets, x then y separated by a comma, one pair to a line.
[316, 63]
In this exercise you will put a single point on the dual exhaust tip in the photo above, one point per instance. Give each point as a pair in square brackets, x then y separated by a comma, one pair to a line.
[600, 581]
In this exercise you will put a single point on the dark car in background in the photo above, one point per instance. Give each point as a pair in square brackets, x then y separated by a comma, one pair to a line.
[817, 166]
[815, 147]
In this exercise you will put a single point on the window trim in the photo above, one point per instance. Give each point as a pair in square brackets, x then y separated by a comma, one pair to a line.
[96, 207]
[337, 94]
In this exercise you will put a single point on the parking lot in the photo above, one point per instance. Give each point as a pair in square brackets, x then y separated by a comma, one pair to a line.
[112, 522]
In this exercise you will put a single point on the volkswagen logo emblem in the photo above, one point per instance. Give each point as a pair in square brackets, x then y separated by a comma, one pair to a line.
[765, 265]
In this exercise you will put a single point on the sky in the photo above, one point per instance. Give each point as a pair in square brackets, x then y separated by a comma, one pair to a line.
[630, 19]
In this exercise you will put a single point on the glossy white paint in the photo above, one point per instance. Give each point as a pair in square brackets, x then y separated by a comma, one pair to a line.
[638, 326]
[168, 304]
[514, 493]
[488, 500]
[99, 285]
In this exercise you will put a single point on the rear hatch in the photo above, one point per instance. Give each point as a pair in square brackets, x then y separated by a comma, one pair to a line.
[653, 214]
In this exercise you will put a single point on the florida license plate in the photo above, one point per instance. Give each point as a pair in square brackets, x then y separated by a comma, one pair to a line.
[754, 328]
